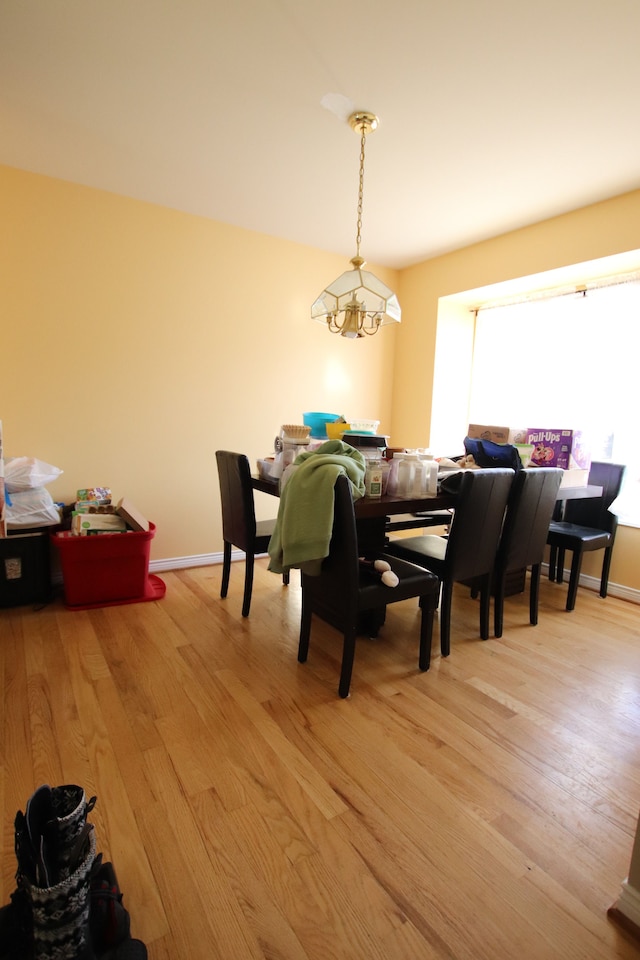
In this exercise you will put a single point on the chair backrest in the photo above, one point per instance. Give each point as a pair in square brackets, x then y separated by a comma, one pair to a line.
[339, 581]
[341, 567]
[236, 497]
[529, 511]
[477, 522]
[594, 511]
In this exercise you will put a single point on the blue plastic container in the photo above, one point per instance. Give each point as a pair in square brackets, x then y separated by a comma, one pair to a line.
[318, 423]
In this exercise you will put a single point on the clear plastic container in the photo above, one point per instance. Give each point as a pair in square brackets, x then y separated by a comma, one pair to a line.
[431, 474]
[392, 479]
[411, 476]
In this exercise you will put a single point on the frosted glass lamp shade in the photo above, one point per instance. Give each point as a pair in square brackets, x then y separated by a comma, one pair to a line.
[360, 291]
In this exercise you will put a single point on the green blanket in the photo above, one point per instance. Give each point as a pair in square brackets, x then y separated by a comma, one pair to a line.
[305, 515]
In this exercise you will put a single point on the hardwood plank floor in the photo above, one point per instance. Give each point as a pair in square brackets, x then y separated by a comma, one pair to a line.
[485, 809]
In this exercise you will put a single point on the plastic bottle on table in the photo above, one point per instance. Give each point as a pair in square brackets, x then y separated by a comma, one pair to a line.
[431, 474]
[419, 485]
[392, 481]
[409, 476]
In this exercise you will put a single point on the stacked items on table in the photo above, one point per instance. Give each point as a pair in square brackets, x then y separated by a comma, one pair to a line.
[543, 447]
[567, 449]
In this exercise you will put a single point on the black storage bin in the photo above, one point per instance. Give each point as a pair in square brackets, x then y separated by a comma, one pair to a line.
[25, 569]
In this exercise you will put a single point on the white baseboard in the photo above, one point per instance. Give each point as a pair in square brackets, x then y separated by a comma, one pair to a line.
[182, 563]
[629, 903]
[593, 583]
[199, 560]
[206, 559]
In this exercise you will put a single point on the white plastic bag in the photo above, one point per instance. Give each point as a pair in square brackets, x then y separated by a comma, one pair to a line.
[31, 508]
[28, 473]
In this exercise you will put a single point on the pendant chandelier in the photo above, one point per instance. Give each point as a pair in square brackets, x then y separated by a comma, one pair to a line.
[357, 303]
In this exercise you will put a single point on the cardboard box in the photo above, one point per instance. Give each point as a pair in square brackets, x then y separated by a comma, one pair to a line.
[132, 516]
[95, 494]
[91, 506]
[566, 449]
[85, 524]
[480, 431]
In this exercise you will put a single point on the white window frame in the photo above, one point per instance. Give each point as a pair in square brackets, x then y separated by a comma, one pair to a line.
[520, 385]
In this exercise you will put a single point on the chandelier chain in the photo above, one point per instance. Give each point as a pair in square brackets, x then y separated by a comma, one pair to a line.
[360, 189]
[357, 304]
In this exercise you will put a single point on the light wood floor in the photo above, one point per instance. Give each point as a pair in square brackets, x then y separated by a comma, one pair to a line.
[484, 810]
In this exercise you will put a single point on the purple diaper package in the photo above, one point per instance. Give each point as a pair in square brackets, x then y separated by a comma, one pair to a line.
[567, 449]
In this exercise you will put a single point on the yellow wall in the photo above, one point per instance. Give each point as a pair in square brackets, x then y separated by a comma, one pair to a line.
[137, 340]
[599, 231]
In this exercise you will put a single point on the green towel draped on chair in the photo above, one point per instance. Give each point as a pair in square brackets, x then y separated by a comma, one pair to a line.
[304, 523]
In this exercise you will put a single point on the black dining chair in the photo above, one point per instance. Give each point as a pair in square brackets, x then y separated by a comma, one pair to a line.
[531, 503]
[587, 525]
[239, 525]
[345, 592]
[468, 553]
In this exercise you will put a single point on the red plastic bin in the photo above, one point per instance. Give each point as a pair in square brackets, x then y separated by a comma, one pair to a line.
[106, 568]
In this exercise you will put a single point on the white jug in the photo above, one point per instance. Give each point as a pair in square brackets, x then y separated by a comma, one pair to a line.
[411, 477]
[431, 475]
[392, 480]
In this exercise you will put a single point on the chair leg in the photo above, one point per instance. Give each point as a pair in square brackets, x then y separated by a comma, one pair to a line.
[498, 605]
[560, 566]
[428, 608]
[305, 630]
[445, 617]
[534, 593]
[226, 569]
[574, 579]
[485, 602]
[248, 584]
[553, 559]
[372, 621]
[436, 597]
[348, 653]
[606, 566]
[285, 578]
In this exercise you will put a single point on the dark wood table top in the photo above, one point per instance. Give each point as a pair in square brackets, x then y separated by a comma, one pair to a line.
[387, 506]
[374, 506]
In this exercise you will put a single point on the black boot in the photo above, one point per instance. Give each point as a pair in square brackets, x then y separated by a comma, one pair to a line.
[15, 928]
[67, 905]
[109, 921]
[128, 950]
[56, 849]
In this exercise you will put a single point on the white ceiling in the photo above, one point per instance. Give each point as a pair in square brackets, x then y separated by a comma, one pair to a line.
[493, 113]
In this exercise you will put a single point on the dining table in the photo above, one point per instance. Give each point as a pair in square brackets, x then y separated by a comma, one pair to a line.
[372, 516]
[372, 512]
[370, 507]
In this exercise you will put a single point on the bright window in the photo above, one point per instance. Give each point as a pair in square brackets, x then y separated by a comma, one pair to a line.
[567, 362]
